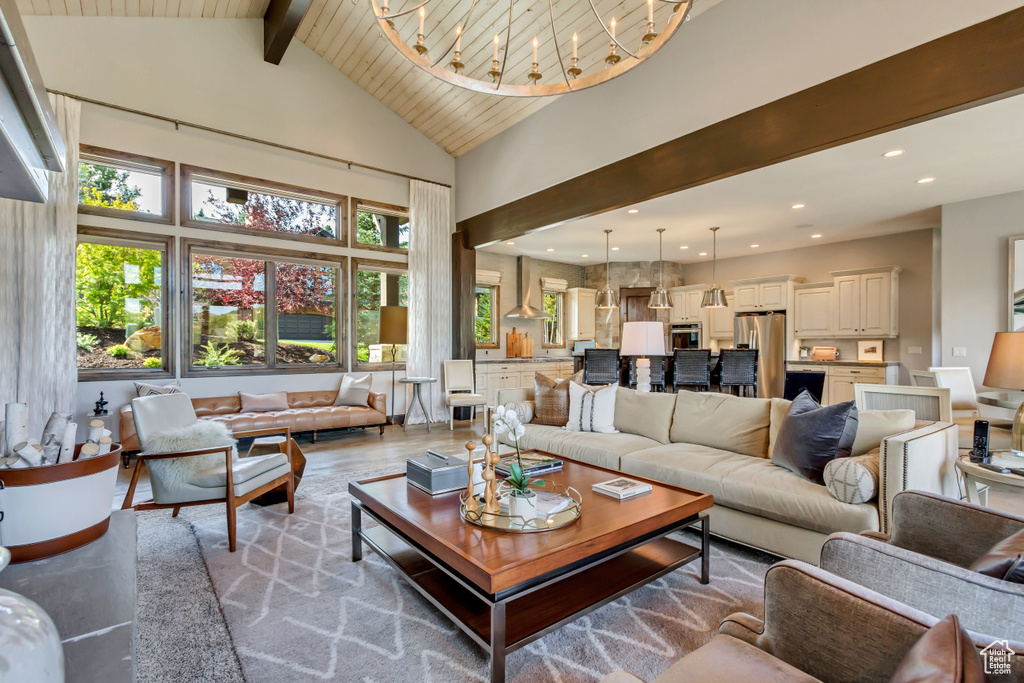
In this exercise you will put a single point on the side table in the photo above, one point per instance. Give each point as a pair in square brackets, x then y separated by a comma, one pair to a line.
[417, 398]
[975, 475]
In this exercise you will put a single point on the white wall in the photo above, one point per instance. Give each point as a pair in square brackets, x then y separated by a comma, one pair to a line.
[736, 56]
[975, 275]
[212, 72]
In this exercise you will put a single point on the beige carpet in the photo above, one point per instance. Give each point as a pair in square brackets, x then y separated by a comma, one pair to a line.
[298, 609]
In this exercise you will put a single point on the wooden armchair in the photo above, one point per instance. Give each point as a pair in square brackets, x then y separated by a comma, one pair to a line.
[233, 483]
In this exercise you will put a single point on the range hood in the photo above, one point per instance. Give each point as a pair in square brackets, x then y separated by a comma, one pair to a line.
[30, 142]
[523, 308]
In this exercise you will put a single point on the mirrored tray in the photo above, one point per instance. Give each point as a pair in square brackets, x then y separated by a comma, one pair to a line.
[503, 521]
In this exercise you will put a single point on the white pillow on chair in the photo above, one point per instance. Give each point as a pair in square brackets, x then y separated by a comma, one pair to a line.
[592, 410]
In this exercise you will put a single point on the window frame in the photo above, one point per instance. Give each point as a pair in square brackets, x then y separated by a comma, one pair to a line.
[495, 316]
[271, 255]
[98, 155]
[375, 265]
[340, 202]
[138, 240]
[382, 208]
[561, 318]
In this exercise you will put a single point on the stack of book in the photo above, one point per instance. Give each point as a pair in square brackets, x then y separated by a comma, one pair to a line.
[622, 488]
[533, 464]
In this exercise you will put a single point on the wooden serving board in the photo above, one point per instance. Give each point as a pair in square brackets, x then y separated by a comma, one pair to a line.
[518, 344]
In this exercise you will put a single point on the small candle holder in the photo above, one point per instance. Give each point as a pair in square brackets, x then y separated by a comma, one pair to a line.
[495, 72]
[534, 74]
[384, 12]
[420, 46]
[456, 64]
[575, 69]
[650, 35]
[613, 56]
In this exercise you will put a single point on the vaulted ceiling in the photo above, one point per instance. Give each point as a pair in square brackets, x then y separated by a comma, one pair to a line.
[345, 33]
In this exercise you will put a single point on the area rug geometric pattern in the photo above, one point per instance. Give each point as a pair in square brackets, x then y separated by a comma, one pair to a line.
[296, 608]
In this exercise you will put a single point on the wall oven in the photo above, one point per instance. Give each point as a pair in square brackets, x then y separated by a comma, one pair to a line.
[687, 336]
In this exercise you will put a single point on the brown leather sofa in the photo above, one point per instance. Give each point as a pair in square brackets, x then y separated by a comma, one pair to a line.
[308, 411]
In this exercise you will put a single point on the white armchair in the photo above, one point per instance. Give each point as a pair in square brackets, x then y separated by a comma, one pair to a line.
[233, 483]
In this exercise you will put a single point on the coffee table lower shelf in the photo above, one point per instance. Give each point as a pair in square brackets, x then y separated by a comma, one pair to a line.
[510, 620]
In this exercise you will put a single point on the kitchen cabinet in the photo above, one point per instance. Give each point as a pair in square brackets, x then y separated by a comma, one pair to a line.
[841, 380]
[866, 302]
[517, 374]
[720, 320]
[813, 314]
[686, 304]
[764, 293]
[582, 319]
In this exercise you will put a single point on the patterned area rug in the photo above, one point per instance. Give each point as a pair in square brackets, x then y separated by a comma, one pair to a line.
[296, 607]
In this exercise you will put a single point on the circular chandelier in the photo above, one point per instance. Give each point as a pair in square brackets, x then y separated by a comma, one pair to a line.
[518, 48]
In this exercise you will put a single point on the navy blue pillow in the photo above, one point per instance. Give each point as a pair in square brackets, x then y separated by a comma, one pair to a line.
[812, 436]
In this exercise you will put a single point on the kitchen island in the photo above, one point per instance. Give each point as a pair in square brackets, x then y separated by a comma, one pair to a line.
[842, 375]
[514, 373]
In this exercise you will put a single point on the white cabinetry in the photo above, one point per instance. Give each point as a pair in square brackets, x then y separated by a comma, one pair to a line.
[866, 302]
[813, 304]
[517, 374]
[764, 293]
[840, 380]
[582, 314]
[721, 320]
[686, 304]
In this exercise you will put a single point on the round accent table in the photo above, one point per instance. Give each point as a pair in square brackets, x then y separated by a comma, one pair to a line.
[417, 398]
[975, 474]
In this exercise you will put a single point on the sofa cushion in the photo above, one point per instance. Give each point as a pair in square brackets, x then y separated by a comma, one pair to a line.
[730, 660]
[591, 409]
[944, 654]
[730, 423]
[853, 479]
[263, 403]
[779, 410]
[645, 413]
[303, 419]
[551, 399]
[813, 435]
[354, 391]
[1004, 561]
[242, 471]
[751, 485]
[875, 425]
[603, 450]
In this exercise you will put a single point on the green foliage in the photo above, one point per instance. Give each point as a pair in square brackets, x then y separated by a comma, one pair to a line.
[484, 310]
[369, 226]
[152, 363]
[242, 330]
[100, 185]
[362, 352]
[103, 284]
[519, 480]
[86, 342]
[217, 354]
[370, 296]
[552, 324]
[120, 351]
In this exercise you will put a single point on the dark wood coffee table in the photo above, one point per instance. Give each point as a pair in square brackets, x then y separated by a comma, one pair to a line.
[506, 590]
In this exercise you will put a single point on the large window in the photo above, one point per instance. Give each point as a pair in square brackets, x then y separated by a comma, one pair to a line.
[251, 311]
[381, 226]
[233, 203]
[554, 303]
[120, 303]
[377, 284]
[486, 321]
[125, 185]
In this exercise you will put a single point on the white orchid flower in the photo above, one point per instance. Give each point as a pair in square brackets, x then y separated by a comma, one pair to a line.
[499, 412]
[499, 427]
[520, 430]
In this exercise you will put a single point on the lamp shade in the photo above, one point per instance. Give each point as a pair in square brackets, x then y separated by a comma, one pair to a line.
[394, 325]
[714, 298]
[660, 298]
[643, 339]
[1006, 362]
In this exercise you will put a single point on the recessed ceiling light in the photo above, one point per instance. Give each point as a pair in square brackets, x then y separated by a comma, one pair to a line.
[799, 206]
[703, 253]
[684, 247]
[615, 248]
[922, 181]
[510, 243]
[633, 211]
[584, 255]
[754, 246]
[893, 153]
[814, 237]
[550, 249]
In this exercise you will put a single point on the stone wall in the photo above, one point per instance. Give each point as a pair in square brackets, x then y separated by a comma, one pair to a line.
[628, 274]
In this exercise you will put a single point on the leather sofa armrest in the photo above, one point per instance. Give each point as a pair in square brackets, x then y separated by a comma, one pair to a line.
[923, 459]
[129, 439]
[379, 402]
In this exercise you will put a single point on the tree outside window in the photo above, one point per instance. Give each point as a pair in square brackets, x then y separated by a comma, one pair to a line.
[228, 311]
[376, 288]
[380, 228]
[553, 306]
[262, 211]
[486, 320]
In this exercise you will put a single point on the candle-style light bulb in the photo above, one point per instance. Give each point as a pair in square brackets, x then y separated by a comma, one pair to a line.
[384, 6]
[495, 47]
[612, 31]
[575, 44]
[650, 11]
[423, 16]
[458, 39]
[535, 49]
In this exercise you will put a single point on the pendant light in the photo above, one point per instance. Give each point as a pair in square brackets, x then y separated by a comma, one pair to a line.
[660, 297]
[714, 297]
[606, 298]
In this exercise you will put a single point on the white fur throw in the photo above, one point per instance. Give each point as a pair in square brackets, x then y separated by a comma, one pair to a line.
[174, 473]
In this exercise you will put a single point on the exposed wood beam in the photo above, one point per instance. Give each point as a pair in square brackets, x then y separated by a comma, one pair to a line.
[973, 66]
[280, 22]
[463, 298]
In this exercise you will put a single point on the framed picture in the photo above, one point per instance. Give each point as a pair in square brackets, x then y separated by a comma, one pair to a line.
[869, 349]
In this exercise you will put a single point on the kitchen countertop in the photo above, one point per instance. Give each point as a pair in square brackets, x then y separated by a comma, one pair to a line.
[535, 359]
[852, 363]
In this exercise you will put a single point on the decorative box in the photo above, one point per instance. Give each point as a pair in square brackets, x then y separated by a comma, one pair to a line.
[437, 473]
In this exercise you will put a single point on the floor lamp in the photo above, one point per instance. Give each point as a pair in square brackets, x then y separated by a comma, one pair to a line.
[393, 330]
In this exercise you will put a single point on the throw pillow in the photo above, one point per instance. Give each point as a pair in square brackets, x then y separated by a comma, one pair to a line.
[143, 389]
[644, 413]
[354, 391]
[875, 425]
[779, 410]
[522, 409]
[592, 409]
[1005, 561]
[853, 480]
[551, 399]
[263, 403]
[944, 654]
[812, 436]
[173, 473]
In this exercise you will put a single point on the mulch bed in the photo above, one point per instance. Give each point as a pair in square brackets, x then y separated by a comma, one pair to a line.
[251, 353]
[98, 358]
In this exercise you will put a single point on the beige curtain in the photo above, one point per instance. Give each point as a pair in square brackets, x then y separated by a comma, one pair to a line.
[430, 289]
[37, 288]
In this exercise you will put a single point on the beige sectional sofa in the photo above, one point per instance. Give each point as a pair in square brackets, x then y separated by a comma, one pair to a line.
[721, 444]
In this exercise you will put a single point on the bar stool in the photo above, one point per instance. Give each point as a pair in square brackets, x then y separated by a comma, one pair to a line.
[601, 366]
[739, 370]
[692, 369]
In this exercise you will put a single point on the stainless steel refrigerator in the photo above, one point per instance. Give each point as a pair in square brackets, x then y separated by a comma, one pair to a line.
[765, 332]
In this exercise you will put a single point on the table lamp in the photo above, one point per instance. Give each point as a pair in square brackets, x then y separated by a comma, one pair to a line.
[394, 330]
[643, 339]
[1006, 371]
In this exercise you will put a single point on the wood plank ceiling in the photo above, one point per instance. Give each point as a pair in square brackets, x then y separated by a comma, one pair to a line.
[345, 33]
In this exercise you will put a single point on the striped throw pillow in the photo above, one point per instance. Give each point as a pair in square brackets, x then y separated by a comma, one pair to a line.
[143, 389]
